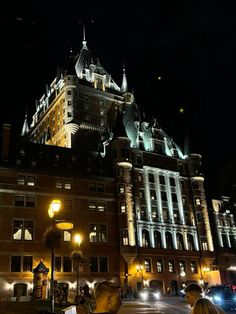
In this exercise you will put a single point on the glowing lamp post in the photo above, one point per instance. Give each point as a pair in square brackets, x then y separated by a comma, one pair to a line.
[78, 259]
[52, 239]
[139, 268]
[54, 208]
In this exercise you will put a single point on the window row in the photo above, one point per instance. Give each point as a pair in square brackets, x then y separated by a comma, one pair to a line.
[159, 267]
[163, 180]
[62, 264]
[25, 180]
[168, 241]
[24, 230]
[60, 183]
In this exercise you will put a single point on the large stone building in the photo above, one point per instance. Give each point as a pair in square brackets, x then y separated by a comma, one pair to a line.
[222, 214]
[136, 199]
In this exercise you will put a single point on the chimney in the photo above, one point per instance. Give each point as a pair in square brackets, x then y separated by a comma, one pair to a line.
[6, 141]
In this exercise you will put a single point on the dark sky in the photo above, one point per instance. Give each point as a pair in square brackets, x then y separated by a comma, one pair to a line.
[191, 45]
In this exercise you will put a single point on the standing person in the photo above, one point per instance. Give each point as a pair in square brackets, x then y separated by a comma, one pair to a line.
[204, 306]
[194, 292]
[108, 297]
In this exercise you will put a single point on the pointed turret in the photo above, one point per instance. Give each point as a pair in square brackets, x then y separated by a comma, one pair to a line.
[124, 85]
[84, 57]
[87, 69]
[25, 128]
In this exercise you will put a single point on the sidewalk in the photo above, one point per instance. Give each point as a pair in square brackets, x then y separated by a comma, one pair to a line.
[28, 307]
[37, 307]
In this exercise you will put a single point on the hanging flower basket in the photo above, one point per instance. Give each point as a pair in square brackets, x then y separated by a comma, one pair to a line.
[52, 238]
[78, 257]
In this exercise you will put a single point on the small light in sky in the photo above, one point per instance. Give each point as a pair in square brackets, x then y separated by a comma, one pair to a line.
[159, 77]
[181, 109]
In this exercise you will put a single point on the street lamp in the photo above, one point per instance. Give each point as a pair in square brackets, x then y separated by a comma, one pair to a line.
[54, 208]
[52, 238]
[77, 257]
[139, 268]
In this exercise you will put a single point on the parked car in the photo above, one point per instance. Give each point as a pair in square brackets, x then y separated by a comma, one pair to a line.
[223, 296]
[146, 294]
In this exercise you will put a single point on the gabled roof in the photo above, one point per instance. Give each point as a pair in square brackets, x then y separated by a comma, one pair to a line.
[87, 69]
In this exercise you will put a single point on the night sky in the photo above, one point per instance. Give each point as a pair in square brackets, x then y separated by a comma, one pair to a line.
[190, 45]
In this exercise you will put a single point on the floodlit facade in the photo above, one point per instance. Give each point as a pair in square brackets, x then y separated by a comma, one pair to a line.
[137, 200]
[222, 213]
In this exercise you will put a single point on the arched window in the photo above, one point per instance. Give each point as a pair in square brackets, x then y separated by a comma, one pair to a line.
[145, 238]
[169, 241]
[224, 239]
[190, 242]
[232, 241]
[157, 240]
[180, 241]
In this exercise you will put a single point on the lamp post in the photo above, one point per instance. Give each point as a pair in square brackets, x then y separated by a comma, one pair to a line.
[78, 257]
[139, 268]
[54, 208]
[52, 238]
[182, 274]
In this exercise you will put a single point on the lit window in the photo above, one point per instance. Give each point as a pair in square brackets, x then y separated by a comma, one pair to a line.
[193, 267]
[92, 207]
[147, 265]
[59, 184]
[23, 229]
[153, 194]
[22, 152]
[181, 266]
[123, 207]
[21, 180]
[30, 181]
[67, 236]
[204, 245]
[159, 266]
[197, 201]
[171, 266]
[93, 233]
[101, 207]
[121, 189]
[67, 185]
[97, 233]
[125, 237]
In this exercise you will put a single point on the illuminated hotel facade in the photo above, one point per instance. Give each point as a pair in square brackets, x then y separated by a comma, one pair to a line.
[137, 200]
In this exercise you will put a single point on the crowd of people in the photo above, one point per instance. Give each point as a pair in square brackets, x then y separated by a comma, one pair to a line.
[108, 297]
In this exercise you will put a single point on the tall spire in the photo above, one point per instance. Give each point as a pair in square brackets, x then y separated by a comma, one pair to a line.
[84, 42]
[124, 84]
[25, 128]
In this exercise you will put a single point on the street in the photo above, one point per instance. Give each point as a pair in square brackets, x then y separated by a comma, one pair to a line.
[167, 305]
